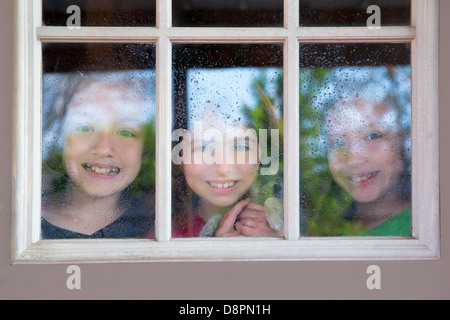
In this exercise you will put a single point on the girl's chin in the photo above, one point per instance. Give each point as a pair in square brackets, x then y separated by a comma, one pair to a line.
[364, 194]
[223, 202]
[97, 192]
[365, 198]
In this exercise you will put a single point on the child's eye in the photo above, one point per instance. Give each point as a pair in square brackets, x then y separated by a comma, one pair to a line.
[126, 133]
[336, 144]
[374, 136]
[201, 148]
[241, 148]
[85, 128]
[209, 147]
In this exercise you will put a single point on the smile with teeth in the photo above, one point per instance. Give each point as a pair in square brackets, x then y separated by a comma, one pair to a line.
[106, 171]
[364, 178]
[225, 185]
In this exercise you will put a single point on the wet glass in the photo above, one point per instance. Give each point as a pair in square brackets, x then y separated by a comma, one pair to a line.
[101, 13]
[227, 140]
[355, 139]
[230, 13]
[353, 13]
[98, 141]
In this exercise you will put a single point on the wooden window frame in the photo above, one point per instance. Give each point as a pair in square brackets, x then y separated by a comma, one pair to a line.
[29, 37]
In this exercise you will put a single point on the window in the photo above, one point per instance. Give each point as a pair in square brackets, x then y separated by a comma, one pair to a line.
[177, 51]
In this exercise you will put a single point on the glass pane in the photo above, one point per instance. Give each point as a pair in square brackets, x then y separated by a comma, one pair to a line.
[355, 148]
[93, 13]
[230, 13]
[227, 141]
[327, 13]
[98, 141]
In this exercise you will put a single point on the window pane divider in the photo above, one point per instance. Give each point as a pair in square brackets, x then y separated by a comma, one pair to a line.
[291, 122]
[163, 165]
[356, 34]
[163, 200]
[226, 35]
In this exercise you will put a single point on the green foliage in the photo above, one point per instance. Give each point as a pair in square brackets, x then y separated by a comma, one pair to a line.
[55, 178]
[265, 116]
[145, 181]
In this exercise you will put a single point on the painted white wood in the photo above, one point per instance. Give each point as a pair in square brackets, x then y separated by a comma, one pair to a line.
[163, 207]
[356, 34]
[26, 246]
[425, 124]
[26, 178]
[19, 164]
[35, 74]
[187, 250]
[291, 124]
[225, 35]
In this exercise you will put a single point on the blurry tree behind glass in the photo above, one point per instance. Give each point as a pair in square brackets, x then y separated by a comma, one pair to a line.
[264, 115]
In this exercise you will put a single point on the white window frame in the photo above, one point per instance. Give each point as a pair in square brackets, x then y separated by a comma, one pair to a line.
[26, 244]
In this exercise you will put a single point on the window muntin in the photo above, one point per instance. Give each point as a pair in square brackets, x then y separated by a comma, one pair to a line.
[221, 93]
[112, 13]
[423, 245]
[98, 141]
[350, 13]
[355, 146]
[231, 13]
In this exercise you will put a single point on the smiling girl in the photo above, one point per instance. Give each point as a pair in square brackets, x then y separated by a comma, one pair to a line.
[103, 145]
[216, 192]
[367, 158]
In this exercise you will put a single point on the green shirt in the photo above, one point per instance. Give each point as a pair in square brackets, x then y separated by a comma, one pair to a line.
[400, 225]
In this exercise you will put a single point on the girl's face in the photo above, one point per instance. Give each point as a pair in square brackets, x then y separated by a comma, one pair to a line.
[223, 183]
[364, 149]
[104, 142]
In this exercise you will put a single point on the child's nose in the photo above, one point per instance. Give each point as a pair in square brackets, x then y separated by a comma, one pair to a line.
[223, 168]
[103, 144]
[357, 154]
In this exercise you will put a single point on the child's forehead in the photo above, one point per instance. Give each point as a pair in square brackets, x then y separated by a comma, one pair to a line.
[103, 89]
[221, 120]
[104, 100]
[358, 114]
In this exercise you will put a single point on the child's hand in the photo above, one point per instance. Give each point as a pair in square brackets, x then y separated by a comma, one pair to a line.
[252, 222]
[246, 219]
[227, 225]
